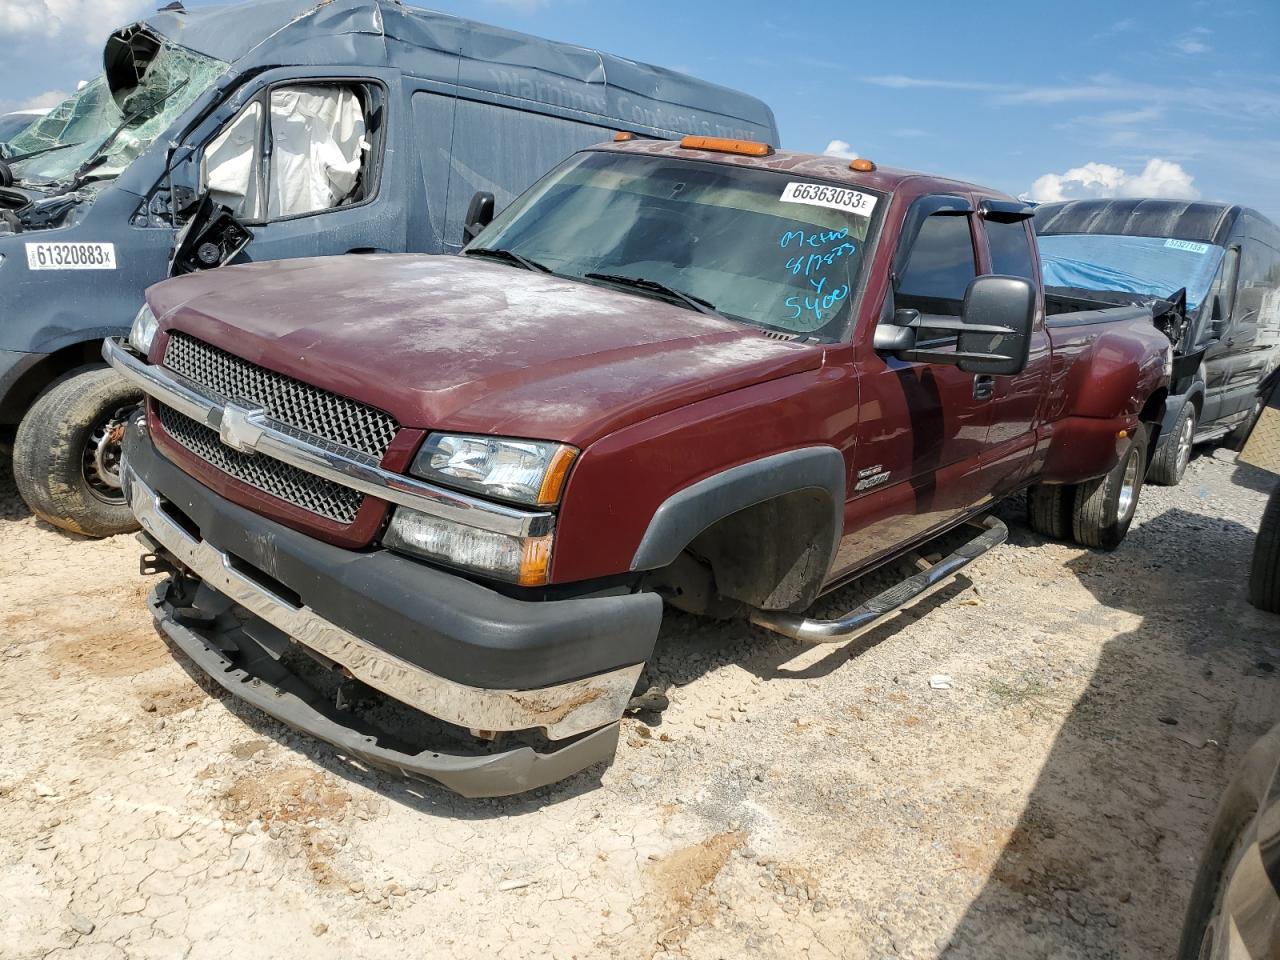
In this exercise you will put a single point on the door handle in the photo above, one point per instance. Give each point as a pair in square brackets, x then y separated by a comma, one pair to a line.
[984, 387]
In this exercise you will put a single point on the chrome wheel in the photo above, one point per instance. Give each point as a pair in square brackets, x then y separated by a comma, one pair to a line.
[102, 455]
[1185, 442]
[1128, 498]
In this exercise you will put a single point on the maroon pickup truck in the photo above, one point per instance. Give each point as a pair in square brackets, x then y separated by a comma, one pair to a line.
[456, 490]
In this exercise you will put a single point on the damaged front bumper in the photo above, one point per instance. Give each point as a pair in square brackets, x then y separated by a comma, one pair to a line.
[265, 571]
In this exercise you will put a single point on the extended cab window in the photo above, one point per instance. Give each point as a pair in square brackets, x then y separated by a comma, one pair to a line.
[1010, 248]
[297, 150]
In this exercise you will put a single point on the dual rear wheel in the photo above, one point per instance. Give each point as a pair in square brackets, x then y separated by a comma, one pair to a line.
[1096, 513]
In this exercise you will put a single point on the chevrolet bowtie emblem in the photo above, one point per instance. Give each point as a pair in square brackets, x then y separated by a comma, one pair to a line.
[241, 427]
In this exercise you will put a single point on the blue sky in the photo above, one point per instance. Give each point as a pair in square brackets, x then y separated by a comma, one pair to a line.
[1176, 98]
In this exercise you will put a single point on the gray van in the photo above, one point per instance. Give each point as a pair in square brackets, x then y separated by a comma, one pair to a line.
[266, 131]
[1220, 263]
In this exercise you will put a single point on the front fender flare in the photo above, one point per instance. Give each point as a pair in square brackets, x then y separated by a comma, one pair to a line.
[688, 512]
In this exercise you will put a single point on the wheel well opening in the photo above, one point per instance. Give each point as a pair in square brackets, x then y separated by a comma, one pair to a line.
[1153, 416]
[15, 403]
[772, 555]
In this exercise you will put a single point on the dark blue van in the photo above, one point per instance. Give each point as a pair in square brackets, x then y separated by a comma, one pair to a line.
[264, 131]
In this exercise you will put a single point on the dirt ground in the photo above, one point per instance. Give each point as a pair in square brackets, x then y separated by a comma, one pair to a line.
[791, 803]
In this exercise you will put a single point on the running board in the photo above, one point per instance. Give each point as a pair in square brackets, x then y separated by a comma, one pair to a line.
[886, 604]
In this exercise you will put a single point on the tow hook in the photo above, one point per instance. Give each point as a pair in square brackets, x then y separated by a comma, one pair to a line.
[153, 565]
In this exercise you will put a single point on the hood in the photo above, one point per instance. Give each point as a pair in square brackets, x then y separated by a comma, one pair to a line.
[451, 343]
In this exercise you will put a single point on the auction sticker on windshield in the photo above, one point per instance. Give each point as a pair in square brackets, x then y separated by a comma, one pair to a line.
[837, 198]
[71, 256]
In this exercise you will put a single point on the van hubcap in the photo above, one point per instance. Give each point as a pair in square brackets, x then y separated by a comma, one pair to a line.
[102, 458]
[1185, 437]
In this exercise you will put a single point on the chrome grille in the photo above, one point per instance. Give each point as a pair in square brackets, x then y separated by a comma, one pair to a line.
[283, 481]
[299, 405]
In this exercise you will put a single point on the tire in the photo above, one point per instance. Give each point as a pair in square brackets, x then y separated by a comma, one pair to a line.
[1105, 507]
[1170, 462]
[1240, 803]
[1264, 571]
[66, 454]
[1049, 510]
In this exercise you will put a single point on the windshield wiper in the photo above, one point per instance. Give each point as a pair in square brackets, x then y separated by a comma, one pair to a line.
[38, 153]
[510, 256]
[95, 159]
[642, 283]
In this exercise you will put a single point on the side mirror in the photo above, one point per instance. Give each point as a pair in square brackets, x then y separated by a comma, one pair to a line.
[995, 336]
[993, 332]
[1218, 318]
[479, 215]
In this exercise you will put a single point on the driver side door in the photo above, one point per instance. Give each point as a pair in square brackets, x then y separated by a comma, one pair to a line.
[305, 163]
[923, 430]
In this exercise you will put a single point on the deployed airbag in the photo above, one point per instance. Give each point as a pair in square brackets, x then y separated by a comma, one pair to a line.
[318, 146]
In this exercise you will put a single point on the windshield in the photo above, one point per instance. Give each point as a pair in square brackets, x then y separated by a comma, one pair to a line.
[77, 130]
[771, 249]
[1149, 266]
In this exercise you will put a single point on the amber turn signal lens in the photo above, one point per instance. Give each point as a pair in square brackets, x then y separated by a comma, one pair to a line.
[557, 473]
[862, 165]
[746, 148]
[622, 136]
[535, 561]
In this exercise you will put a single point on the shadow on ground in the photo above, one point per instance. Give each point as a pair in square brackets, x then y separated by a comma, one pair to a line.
[1072, 880]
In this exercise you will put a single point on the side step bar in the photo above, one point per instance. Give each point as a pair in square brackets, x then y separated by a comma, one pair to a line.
[886, 604]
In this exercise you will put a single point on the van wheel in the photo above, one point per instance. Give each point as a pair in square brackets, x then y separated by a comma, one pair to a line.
[66, 457]
[1049, 510]
[1104, 508]
[1264, 572]
[1170, 462]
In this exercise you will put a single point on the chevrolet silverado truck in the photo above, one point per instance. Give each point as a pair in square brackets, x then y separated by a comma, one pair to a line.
[700, 372]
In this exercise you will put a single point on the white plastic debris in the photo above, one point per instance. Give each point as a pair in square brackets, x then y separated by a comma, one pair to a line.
[940, 681]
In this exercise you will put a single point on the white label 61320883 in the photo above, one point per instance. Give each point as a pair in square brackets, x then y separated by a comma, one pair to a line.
[824, 195]
[71, 256]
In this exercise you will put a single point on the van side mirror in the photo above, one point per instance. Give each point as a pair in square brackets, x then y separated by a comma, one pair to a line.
[1219, 319]
[993, 332]
[479, 215]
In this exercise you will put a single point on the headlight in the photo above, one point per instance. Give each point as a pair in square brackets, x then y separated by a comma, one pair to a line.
[522, 560]
[528, 472]
[144, 330]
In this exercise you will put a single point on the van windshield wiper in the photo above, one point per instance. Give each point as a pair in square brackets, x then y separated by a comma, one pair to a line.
[18, 158]
[510, 256]
[95, 159]
[643, 283]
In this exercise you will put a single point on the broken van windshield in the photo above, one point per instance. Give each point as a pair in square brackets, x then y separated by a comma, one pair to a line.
[771, 249]
[80, 128]
[1148, 266]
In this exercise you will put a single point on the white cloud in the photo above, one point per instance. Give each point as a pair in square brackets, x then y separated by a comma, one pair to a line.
[840, 148]
[43, 101]
[1159, 178]
[898, 81]
[82, 21]
[1192, 41]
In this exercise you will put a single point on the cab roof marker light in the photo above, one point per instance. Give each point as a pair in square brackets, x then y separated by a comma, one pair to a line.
[745, 148]
[862, 165]
[622, 136]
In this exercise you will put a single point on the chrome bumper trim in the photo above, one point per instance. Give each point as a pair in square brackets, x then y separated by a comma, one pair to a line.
[563, 711]
[249, 430]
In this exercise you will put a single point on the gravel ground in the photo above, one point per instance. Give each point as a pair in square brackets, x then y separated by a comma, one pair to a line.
[792, 802]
